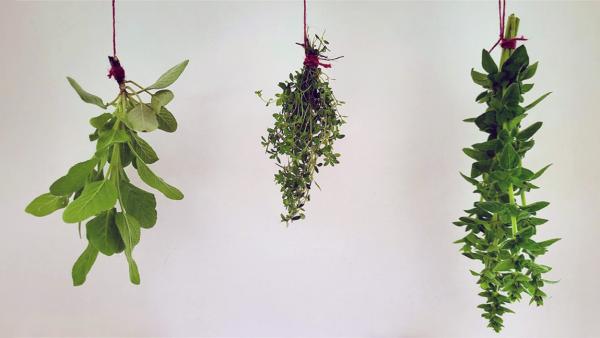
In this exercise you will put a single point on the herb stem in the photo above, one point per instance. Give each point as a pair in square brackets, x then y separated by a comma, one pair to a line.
[512, 28]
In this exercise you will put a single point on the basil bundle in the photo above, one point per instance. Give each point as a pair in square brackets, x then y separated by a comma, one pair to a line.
[93, 188]
[302, 138]
[500, 229]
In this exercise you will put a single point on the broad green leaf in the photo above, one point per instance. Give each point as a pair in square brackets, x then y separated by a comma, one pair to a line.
[515, 121]
[529, 72]
[488, 63]
[85, 96]
[96, 197]
[509, 158]
[485, 146]
[528, 132]
[480, 79]
[143, 150]
[111, 137]
[505, 265]
[138, 203]
[534, 103]
[166, 121]
[99, 121]
[46, 204]
[129, 228]
[157, 183]
[533, 207]
[169, 76]
[475, 154]
[160, 99]
[142, 118]
[512, 95]
[84, 264]
[102, 232]
[75, 178]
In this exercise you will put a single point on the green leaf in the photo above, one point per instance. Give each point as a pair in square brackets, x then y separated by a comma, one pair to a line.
[96, 197]
[512, 95]
[549, 242]
[99, 121]
[533, 207]
[75, 178]
[491, 206]
[470, 180]
[85, 96]
[528, 132]
[156, 182]
[46, 204]
[138, 203]
[143, 150]
[476, 155]
[83, 265]
[534, 103]
[102, 232]
[169, 76]
[129, 228]
[505, 265]
[166, 121]
[539, 173]
[529, 72]
[480, 79]
[509, 158]
[142, 118]
[111, 137]
[488, 63]
[160, 99]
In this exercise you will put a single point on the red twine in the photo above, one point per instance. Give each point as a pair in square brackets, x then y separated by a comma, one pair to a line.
[502, 41]
[311, 59]
[115, 70]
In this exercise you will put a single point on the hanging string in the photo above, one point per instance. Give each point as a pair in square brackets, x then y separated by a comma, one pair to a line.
[502, 41]
[116, 70]
[114, 29]
[312, 58]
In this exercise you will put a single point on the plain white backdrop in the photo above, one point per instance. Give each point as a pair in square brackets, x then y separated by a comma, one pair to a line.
[374, 258]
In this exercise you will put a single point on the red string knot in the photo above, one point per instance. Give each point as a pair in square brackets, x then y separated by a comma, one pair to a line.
[312, 60]
[116, 70]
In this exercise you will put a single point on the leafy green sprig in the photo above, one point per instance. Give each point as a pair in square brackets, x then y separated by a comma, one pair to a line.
[500, 228]
[100, 189]
[302, 138]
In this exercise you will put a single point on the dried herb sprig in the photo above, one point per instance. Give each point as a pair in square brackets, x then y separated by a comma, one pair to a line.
[92, 189]
[302, 138]
[500, 229]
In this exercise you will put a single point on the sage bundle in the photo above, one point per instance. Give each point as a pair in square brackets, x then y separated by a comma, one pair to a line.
[94, 188]
[500, 229]
[99, 190]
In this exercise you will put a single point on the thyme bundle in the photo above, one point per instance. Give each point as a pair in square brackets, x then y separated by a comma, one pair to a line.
[500, 228]
[302, 138]
[93, 188]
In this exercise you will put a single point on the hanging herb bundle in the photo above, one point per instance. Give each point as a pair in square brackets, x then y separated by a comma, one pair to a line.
[302, 138]
[99, 188]
[500, 228]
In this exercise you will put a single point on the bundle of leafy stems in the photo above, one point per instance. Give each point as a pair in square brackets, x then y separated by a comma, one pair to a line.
[500, 228]
[302, 138]
[100, 188]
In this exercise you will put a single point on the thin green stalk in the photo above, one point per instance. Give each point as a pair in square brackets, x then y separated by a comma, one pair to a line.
[512, 29]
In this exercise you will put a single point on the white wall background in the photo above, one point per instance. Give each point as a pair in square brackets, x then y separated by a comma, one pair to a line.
[375, 257]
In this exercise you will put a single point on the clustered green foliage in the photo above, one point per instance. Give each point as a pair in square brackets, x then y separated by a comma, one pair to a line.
[93, 188]
[302, 138]
[500, 230]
